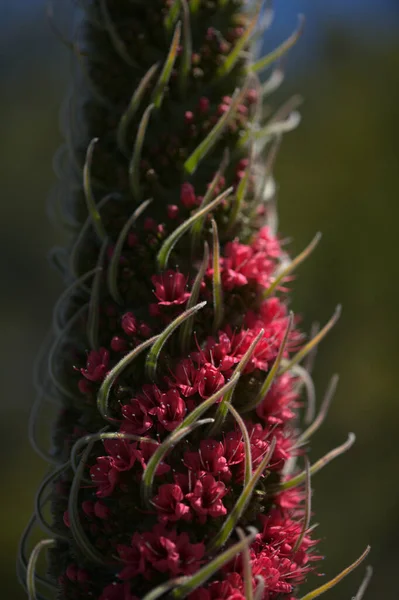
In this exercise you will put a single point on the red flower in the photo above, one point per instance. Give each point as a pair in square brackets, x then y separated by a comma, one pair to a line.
[104, 475]
[129, 323]
[97, 365]
[187, 195]
[133, 557]
[208, 459]
[169, 505]
[137, 419]
[190, 554]
[268, 243]
[123, 455]
[210, 380]
[206, 498]
[278, 404]
[147, 449]
[171, 410]
[170, 288]
[185, 377]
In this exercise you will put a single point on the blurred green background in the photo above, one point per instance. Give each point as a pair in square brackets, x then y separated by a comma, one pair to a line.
[338, 173]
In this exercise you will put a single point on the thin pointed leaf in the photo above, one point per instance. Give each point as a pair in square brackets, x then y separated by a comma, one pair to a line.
[260, 588]
[112, 274]
[185, 62]
[186, 328]
[198, 225]
[214, 135]
[231, 60]
[215, 565]
[104, 391]
[273, 82]
[160, 590]
[313, 427]
[91, 204]
[66, 295]
[298, 260]
[266, 61]
[330, 584]
[54, 352]
[306, 380]
[76, 529]
[365, 583]
[240, 193]
[132, 109]
[39, 502]
[273, 371]
[218, 308]
[153, 355]
[134, 166]
[262, 136]
[322, 462]
[223, 406]
[313, 342]
[94, 304]
[172, 16]
[30, 575]
[162, 83]
[308, 508]
[247, 444]
[160, 453]
[100, 437]
[236, 513]
[117, 42]
[247, 568]
[169, 243]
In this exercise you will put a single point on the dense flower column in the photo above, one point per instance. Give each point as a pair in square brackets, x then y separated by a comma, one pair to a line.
[174, 355]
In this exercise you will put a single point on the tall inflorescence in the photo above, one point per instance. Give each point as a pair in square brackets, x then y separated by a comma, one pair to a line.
[179, 457]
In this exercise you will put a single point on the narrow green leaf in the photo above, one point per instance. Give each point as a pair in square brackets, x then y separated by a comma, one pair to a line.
[215, 565]
[247, 568]
[322, 462]
[306, 380]
[85, 546]
[160, 590]
[160, 453]
[273, 371]
[330, 584]
[214, 135]
[298, 260]
[365, 583]
[153, 355]
[94, 304]
[131, 110]
[104, 391]
[117, 42]
[163, 81]
[169, 243]
[172, 16]
[218, 308]
[240, 193]
[231, 60]
[187, 50]
[236, 513]
[112, 274]
[322, 413]
[308, 508]
[186, 328]
[313, 342]
[247, 444]
[134, 166]
[66, 296]
[54, 353]
[270, 58]
[198, 225]
[91, 204]
[31, 575]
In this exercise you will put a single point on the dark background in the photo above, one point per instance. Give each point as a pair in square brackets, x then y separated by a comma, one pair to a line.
[338, 173]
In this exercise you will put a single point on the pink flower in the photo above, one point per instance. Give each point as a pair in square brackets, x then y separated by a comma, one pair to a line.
[206, 498]
[169, 505]
[129, 323]
[187, 195]
[185, 377]
[210, 380]
[171, 410]
[136, 417]
[104, 476]
[122, 452]
[170, 288]
[97, 365]
[208, 459]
